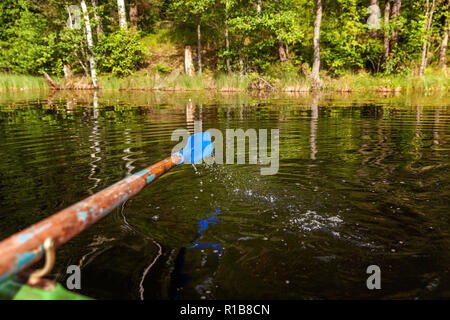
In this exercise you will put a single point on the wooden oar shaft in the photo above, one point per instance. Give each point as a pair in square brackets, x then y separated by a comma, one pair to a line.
[26, 247]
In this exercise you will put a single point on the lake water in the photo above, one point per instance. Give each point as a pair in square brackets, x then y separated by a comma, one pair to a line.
[363, 180]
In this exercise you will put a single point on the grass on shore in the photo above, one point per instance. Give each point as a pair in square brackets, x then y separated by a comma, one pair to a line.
[177, 82]
[431, 82]
[10, 82]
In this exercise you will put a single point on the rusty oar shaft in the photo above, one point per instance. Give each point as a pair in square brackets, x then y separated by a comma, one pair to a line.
[26, 247]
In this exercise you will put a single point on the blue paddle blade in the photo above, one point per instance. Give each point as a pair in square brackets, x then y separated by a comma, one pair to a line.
[198, 146]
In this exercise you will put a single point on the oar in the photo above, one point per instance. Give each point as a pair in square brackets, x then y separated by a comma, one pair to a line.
[24, 248]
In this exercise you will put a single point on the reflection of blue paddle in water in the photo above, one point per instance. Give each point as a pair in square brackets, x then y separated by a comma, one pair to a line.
[203, 225]
[179, 279]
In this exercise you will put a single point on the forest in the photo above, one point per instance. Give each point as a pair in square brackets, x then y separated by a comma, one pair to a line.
[226, 44]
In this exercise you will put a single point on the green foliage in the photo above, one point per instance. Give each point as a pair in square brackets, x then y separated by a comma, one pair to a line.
[187, 8]
[32, 49]
[347, 44]
[34, 37]
[9, 13]
[162, 68]
[120, 52]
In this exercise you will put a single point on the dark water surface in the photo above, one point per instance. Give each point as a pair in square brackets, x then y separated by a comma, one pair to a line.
[363, 180]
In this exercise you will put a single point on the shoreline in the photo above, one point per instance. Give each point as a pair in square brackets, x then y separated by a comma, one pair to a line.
[234, 83]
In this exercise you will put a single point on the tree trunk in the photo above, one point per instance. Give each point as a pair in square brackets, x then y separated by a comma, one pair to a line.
[281, 51]
[316, 65]
[199, 45]
[242, 67]
[227, 41]
[67, 71]
[50, 82]
[444, 43]
[425, 45]
[122, 14]
[188, 64]
[83, 65]
[241, 56]
[97, 20]
[90, 43]
[387, 12]
[134, 15]
[395, 14]
[443, 53]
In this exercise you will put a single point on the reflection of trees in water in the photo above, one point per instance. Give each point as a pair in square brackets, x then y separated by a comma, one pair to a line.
[98, 245]
[314, 122]
[127, 151]
[384, 150]
[436, 127]
[190, 112]
[417, 139]
[145, 237]
[146, 270]
[94, 138]
[376, 146]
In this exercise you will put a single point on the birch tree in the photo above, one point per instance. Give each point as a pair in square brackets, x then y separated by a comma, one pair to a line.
[444, 42]
[426, 42]
[122, 14]
[316, 41]
[90, 43]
